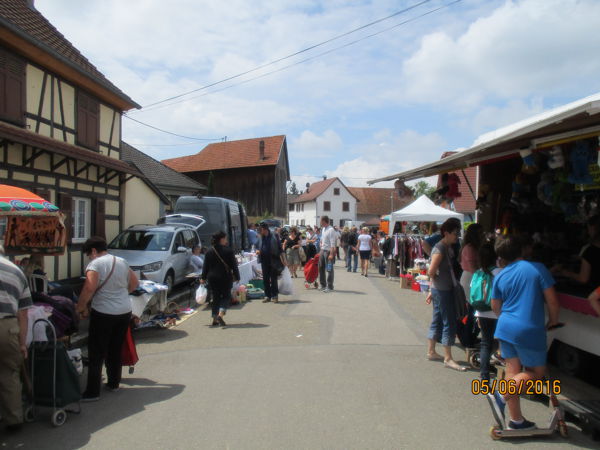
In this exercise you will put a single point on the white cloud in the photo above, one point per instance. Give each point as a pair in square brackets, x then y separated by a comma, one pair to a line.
[388, 155]
[489, 117]
[524, 48]
[311, 145]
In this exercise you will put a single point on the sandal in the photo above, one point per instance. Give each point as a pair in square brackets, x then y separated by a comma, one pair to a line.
[435, 357]
[454, 366]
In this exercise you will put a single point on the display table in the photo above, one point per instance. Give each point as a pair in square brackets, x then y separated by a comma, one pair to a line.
[247, 270]
[153, 299]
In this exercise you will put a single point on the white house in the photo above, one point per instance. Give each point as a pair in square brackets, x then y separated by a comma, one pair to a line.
[330, 198]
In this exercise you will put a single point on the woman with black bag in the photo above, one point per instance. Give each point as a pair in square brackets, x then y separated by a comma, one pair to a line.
[220, 270]
[444, 296]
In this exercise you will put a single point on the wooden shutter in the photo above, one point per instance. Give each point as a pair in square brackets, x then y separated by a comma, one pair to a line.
[99, 218]
[88, 121]
[12, 88]
[65, 203]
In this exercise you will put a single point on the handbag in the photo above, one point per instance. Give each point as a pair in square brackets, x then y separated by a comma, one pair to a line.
[302, 254]
[460, 299]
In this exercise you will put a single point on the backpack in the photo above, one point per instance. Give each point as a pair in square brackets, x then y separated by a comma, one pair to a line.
[481, 290]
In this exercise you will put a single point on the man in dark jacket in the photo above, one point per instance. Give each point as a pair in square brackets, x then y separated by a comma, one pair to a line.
[352, 253]
[269, 252]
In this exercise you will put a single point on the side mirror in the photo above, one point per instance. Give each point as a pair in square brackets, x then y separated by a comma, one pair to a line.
[181, 249]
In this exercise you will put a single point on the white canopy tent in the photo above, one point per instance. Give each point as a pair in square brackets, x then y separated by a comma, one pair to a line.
[423, 210]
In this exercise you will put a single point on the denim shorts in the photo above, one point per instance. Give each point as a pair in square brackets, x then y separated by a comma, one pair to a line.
[528, 358]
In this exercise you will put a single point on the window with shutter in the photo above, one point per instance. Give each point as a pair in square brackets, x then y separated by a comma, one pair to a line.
[12, 88]
[88, 121]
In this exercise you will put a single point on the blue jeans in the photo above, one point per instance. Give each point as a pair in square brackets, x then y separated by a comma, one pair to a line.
[488, 327]
[443, 322]
[351, 254]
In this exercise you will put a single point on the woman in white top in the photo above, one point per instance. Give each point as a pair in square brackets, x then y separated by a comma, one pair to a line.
[365, 246]
[108, 282]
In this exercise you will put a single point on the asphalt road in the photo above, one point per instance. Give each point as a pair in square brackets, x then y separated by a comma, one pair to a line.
[345, 370]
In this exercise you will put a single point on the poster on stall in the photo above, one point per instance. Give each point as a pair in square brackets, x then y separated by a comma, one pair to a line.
[35, 234]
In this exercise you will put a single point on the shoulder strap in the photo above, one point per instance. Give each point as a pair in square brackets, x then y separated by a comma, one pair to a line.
[112, 269]
[222, 260]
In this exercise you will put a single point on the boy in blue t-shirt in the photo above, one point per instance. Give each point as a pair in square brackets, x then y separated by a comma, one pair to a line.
[518, 297]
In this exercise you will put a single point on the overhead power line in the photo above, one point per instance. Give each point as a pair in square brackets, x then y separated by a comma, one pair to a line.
[159, 106]
[312, 47]
[171, 133]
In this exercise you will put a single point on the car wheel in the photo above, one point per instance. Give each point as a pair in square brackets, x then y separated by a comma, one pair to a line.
[169, 281]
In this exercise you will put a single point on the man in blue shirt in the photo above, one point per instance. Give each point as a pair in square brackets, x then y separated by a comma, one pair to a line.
[252, 236]
[518, 297]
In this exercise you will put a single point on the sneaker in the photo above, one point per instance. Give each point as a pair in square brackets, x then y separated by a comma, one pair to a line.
[526, 425]
[498, 407]
[275, 300]
[266, 300]
[86, 398]
[326, 291]
[111, 388]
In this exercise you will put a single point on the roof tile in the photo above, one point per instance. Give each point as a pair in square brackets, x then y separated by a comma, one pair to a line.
[230, 155]
[376, 201]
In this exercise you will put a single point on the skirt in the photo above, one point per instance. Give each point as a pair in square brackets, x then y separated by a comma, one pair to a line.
[293, 256]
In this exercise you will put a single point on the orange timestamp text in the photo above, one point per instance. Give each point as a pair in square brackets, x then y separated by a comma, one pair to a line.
[511, 387]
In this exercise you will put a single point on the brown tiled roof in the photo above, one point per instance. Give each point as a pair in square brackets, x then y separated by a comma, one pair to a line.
[376, 201]
[231, 155]
[35, 140]
[466, 203]
[31, 25]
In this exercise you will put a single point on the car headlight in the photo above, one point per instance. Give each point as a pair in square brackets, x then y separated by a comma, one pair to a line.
[152, 267]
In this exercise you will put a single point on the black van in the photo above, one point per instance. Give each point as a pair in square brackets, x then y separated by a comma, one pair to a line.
[221, 214]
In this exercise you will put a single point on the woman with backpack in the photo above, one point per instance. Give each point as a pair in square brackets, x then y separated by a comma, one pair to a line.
[480, 299]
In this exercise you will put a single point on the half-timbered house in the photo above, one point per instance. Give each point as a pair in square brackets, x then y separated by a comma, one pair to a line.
[60, 130]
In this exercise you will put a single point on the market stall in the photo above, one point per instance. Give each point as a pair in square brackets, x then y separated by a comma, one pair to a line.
[540, 178]
[423, 210]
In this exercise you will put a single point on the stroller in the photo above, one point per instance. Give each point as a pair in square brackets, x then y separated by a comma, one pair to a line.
[54, 379]
[311, 272]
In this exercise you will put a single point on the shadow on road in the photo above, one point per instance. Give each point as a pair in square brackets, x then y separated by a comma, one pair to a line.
[292, 302]
[132, 399]
[246, 325]
[338, 291]
[158, 335]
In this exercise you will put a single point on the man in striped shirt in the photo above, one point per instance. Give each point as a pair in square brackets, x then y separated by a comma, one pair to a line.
[15, 299]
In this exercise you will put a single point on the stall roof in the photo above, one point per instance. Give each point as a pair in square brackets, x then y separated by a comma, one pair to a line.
[424, 210]
[581, 116]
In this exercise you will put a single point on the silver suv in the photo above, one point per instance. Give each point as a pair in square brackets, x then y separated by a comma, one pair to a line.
[160, 253]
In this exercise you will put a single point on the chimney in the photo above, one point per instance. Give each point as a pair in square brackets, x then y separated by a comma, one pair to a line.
[307, 187]
[261, 150]
[324, 177]
[30, 3]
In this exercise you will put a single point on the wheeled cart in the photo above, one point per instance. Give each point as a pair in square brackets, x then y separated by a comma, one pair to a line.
[54, 379]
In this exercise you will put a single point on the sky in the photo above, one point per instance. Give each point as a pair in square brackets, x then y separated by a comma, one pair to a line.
[382, 105]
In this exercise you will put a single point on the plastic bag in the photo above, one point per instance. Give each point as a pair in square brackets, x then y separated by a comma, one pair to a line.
[75, 356]
[201, 294]
[286, 286]
[302, 254]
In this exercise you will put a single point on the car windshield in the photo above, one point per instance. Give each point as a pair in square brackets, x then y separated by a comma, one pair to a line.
[196, 222]
[151, 240]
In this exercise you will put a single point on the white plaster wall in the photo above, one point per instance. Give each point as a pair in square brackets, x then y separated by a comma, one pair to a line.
[142, 205]
[336, 214]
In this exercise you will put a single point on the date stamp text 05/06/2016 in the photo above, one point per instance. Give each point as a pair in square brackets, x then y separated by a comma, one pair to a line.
[511, 387]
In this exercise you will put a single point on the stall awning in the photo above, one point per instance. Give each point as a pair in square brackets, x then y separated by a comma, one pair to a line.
[575, 120]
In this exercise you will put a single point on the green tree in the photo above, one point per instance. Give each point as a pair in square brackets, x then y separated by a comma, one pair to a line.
[293, 189]
[423, 188]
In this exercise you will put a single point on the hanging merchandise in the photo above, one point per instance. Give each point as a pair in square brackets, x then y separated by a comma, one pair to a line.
[544, 188]
[581, 157]
[443, 190]
[520, 192]
[556, 158]
[529, 164]
[453, 182]
[482, 203]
